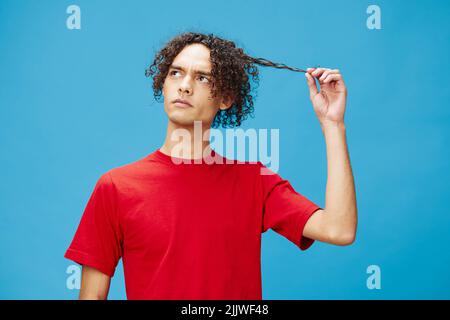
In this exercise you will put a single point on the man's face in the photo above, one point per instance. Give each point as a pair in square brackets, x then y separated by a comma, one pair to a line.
[189, 79]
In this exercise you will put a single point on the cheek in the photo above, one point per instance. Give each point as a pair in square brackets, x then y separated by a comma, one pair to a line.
[167, 85]
[164, 87]
[211, 100]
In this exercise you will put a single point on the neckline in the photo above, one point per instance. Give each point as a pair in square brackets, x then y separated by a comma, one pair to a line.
[208, 160]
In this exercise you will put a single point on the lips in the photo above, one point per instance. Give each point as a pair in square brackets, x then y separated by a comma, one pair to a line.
[182, 102]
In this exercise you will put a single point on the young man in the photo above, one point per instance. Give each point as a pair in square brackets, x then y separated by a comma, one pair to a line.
[193, 231]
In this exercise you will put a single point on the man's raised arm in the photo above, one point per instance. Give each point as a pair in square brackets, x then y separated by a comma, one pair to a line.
[337, 223]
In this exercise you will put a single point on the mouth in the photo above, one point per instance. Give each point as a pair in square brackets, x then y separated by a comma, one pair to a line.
[182, 103]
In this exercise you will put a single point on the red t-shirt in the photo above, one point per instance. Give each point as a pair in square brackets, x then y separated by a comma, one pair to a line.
[187, 231]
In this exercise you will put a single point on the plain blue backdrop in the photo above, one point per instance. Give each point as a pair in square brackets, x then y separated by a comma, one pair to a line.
[76, 103]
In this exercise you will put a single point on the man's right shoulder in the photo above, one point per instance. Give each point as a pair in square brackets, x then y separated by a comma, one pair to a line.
[136, 168]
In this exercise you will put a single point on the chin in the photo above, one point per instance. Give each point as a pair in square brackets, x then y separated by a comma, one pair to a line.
[181, 119]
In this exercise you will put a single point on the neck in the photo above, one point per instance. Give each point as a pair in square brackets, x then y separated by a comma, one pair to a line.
[187, 141]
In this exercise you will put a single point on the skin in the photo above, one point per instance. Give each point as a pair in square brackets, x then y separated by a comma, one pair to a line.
[94, 284]
[187, 84]
[336, 224]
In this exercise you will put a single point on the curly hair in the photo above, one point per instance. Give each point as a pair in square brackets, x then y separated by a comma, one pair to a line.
[234, 74]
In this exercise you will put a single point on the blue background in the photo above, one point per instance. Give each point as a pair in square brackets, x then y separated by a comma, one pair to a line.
[76, 103]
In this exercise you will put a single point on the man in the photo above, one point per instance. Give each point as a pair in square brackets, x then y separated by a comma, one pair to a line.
[193, 230]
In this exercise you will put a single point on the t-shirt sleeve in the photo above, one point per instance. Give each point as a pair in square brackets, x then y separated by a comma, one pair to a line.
[285, 211]
[98, 242]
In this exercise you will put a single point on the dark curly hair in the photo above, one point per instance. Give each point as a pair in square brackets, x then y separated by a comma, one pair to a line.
[232, 76]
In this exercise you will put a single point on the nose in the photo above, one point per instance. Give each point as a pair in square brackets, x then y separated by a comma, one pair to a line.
[185, 86]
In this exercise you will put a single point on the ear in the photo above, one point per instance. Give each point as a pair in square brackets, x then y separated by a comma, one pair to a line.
[226, 103]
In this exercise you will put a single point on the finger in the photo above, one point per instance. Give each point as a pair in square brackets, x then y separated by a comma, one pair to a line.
[327, 72]
[318, 72]
[311, 84]
[332, 77]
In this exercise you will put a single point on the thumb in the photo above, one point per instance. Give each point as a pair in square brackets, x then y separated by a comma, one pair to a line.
[311, 84]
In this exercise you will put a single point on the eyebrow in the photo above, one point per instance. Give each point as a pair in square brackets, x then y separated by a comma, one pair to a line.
[176, 67]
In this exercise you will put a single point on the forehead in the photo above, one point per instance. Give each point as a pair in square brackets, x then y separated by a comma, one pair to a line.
[196, 56]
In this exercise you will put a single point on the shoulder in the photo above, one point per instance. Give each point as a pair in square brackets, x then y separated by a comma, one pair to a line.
[258, 172]
[127, 171]
[244, 167]
[252, 167]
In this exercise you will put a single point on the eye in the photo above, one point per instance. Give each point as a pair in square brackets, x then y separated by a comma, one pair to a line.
[172, 73]
[203, 79]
